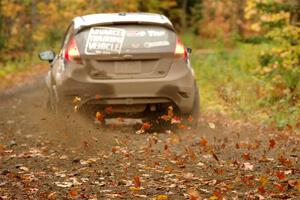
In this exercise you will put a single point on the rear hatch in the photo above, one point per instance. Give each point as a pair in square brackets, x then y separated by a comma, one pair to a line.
[126, 51]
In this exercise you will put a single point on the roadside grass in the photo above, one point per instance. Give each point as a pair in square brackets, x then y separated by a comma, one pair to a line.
[18, 63]
[13, 67]
[228, 85]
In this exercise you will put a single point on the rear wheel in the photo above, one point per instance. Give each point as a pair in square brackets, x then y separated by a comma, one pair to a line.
[192, 118]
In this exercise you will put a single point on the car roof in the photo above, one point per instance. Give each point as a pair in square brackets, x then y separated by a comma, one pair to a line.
[111, 18]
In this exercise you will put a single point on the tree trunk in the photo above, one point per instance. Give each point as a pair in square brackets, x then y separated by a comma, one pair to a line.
[295, 13]
[184, 17]
[33, 24]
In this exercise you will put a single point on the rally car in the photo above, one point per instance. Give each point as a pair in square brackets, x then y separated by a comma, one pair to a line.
[131, 62]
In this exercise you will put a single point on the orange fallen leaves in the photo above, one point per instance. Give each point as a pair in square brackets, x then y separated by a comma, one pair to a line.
[203, 142]
[146, 125]
[181, 126]
[52, 196]
[248, 180]
[279, 187]
[294, 183]
[134, 189]
[73, 193]
[194, 194]
[272, 143]
[109, 109]
[261, 189]
[246, 156]
[280, 175]
[162, 197]
[165, 117]
[284, 161]
[298, 185]
[219, 171]
[217, 195]
[137, 181]
[99, 116]
[176, 120]
[190, 118]
[168, 168]
[263, 180]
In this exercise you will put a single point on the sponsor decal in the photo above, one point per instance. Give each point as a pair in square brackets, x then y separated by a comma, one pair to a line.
[136, 34]
[156, 44]
[105, 40]
[152, 33]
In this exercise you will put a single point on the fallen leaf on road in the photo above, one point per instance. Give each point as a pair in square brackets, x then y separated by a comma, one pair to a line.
[181, 126]
[135, 189]
[215, 156]
[165, 117]
[24, 168]
[146, 125]
[63, 184]
[188, 175]
[272, 143]
[99, 116]
[52, 196]
[190, 118]
[73, 193]
[137, 181]
[76, 100]
[279, 187]
[114, 196]
[211, 125]
[162, 197]
[261, 190]
[280, 175]
[246, 156]
[63, 157]
[247, 166]
[263, 180]
[75, 108]
[203, 141]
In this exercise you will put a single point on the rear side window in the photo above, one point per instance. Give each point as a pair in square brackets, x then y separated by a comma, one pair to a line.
[124, 39]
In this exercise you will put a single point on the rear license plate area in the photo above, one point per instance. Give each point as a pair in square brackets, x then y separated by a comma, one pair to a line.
[128, 67]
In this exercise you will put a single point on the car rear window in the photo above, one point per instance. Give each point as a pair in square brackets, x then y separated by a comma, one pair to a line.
[126, 39]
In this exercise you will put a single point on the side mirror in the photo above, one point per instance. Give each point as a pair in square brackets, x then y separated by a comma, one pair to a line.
[47, 55]
[189, 50]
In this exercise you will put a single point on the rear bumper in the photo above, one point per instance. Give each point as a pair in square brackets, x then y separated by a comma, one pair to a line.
[177, 87]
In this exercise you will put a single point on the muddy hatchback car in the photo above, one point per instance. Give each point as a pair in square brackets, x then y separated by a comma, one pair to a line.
[133, 63]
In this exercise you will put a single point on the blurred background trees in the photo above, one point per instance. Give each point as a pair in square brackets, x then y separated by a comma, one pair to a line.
[26, 24]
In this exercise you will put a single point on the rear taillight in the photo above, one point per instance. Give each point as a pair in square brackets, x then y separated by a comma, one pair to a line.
[72, 52]
[180, 50]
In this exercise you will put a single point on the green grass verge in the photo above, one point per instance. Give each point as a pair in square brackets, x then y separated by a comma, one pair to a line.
[229, 85]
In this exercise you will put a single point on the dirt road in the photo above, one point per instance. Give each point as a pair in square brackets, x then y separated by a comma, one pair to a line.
[44, 156]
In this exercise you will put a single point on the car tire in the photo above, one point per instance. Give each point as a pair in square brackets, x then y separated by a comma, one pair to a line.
[195, 112]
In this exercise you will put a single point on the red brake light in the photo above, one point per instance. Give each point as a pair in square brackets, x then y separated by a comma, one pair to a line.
[180, 50]
[72, 52]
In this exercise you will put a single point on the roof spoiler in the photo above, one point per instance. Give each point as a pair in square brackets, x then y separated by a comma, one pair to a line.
[82, 27]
